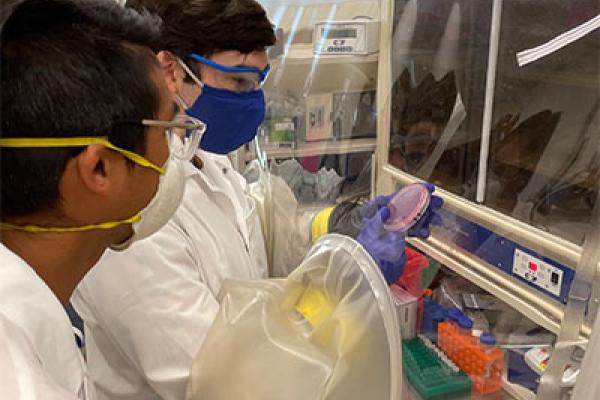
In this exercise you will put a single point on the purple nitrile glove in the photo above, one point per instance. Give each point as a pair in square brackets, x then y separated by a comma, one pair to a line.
[430, 217]
[368, 210]
[386, 248]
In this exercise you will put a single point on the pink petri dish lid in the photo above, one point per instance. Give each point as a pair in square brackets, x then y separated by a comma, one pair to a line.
[407, 207]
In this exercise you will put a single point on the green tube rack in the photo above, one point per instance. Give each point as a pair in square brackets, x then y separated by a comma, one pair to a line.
[429, 375]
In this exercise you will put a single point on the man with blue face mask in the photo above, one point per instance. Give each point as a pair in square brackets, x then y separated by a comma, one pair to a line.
[147, 309]
[144, 326]
[234, 106]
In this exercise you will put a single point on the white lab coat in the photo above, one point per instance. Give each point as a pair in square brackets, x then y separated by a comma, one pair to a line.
[38, 355]
[148, 309]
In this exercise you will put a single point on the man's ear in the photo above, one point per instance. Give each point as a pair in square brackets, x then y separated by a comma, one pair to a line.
[172, 71]
[95, 168]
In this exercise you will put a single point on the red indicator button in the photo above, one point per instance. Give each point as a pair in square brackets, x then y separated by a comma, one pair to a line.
[533, 266]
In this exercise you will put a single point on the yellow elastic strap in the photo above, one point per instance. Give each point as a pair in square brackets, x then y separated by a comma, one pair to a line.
[41, 229]
[320, 223]
[77, 142]
[314, 306]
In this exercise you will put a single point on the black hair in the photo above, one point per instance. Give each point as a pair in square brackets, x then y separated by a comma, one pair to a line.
[70, 68]
[206, 27]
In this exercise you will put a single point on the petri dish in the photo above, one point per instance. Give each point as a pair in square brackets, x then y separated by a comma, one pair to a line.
[407, 207]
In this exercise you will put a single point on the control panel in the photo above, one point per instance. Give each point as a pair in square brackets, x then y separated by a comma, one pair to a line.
[538, 272]
[542, 273]
[358, 36]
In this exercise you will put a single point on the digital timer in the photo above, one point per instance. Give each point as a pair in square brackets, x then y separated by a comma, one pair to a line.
[360, 36]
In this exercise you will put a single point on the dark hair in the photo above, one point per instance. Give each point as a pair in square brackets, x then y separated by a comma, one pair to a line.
[206, 27]
[70, 68]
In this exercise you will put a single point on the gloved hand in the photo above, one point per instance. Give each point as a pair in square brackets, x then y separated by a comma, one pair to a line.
[431, 217]
[421, 229]
[386, 248]
[347, 217]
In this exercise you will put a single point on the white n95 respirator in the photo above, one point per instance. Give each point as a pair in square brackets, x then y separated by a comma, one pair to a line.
[163, 205]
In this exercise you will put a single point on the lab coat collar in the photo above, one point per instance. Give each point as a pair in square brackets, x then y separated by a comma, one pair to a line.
[210, 161]
[28, 302]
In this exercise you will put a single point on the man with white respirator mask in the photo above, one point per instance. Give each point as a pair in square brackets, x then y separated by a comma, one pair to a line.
[84, 166]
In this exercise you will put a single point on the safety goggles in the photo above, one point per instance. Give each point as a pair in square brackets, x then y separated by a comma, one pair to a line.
[183, 135]
[247, 78]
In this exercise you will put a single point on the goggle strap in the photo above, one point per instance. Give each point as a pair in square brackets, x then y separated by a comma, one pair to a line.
[77, 142]
[224, 68]
[41, 229]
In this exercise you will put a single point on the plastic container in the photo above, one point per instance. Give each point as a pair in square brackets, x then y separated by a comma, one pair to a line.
[464, 326]
[429, 374]
[482, 362]
[407, 207]
[487, 341]
[465, 329]
[480, 322]
[488, 344]
[411, 279]
[429, 273]
[407, 309]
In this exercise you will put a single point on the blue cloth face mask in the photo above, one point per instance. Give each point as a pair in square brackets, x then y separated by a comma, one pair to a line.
[232, 118]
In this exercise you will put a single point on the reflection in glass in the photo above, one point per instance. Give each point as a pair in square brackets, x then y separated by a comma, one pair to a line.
[438, 65]
[419, 116]
[543, 166]
[516, 151]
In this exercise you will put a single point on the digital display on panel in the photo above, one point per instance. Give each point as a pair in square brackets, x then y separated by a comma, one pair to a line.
[338, 33]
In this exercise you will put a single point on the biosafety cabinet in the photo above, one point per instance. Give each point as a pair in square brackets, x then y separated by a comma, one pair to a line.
[497, 102]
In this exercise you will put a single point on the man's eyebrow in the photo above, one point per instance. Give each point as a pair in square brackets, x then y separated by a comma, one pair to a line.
[243, 65]
[244, 61]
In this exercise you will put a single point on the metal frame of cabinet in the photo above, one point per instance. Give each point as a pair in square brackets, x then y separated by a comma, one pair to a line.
[541, 309]
[546, 312]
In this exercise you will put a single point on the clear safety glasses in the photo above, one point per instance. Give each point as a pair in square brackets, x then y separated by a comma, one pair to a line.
[244, 79]
[183, 134]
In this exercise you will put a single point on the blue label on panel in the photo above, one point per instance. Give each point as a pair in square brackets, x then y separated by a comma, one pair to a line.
[499, 251]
